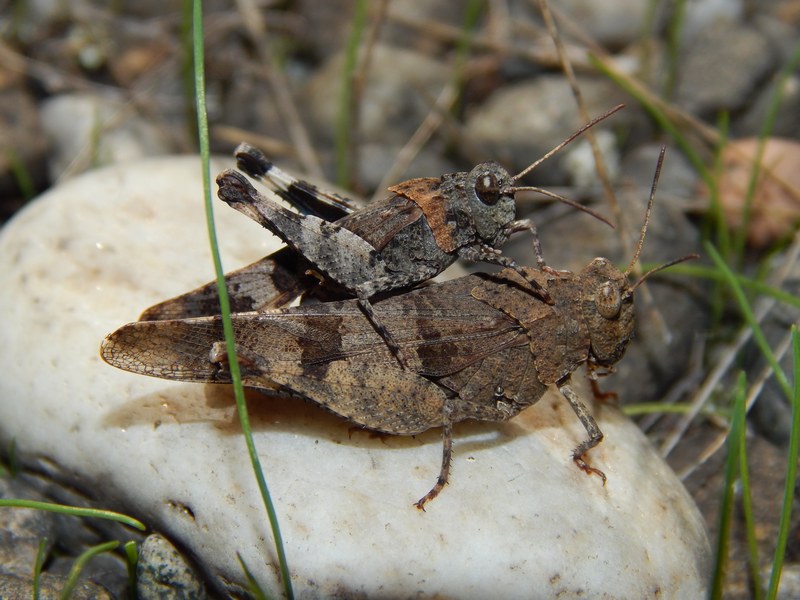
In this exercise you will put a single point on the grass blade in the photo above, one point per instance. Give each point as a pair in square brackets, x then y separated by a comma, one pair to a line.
[791, 473]
[647, 408]
[345, 112]
[747, 507]
[714, 274]
[131, 559]
[749, 317]
[41, 555]
[225, 310]
[674, 31]
[74, 511]
[472, 13]
[658, 115]
[80, 563]
[726, 505]
[13, 458]
[254, 588]
[21, 174]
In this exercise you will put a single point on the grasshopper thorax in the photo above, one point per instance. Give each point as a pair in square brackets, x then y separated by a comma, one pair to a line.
[489, 199]
[607, 306]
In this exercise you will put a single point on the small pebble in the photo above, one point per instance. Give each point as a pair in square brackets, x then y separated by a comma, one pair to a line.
[163, 574]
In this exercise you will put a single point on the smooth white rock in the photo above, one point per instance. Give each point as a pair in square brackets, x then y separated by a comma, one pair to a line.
[518, 518]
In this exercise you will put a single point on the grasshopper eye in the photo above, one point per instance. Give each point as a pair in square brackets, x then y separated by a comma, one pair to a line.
[608, 301]
[487, 189]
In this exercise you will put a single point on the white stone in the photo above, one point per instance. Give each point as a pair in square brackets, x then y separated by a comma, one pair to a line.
[518, 518]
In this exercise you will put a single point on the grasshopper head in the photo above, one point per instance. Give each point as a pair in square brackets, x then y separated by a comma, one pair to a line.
[489, 193]
[607, 305]
[607, 295]
[490, 201]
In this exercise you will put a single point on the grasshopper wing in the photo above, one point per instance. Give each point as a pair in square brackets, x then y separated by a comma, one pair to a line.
[305, 197]
[281, 352]
[271, 282]
[331, 354]
[377, 223]
[275, 280]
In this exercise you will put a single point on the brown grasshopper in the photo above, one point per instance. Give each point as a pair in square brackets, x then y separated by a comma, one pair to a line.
[414, 234]
[481, 347]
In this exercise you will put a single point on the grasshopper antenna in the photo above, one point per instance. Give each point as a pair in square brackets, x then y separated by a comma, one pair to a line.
[555, 150]
[648, 212]
[643, 231]
[558, 148]
[661, 268]
[563, 199]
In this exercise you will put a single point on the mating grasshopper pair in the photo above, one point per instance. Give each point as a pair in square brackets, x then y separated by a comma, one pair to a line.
[481, 347]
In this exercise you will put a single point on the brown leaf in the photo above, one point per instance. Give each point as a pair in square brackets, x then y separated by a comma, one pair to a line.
[775, 210]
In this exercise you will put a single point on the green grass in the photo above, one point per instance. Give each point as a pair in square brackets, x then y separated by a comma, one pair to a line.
[131, 559]
[737, 457]
[791, 473]
[11, 467]
[74, 511]
[738, 433]
[41, 556]
[750, 319]
[225, 310]
[727, 501]
[743, 281]
[346, 114]
[21, 175]
[80, 563]
[253, 587]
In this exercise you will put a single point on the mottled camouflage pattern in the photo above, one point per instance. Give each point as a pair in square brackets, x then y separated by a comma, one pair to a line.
[480, 347]
[414, 234]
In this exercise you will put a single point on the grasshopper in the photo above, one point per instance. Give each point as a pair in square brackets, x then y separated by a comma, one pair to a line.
[414, 234]
[481, 347]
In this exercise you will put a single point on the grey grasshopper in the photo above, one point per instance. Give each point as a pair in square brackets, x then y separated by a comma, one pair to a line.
[419, 230]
